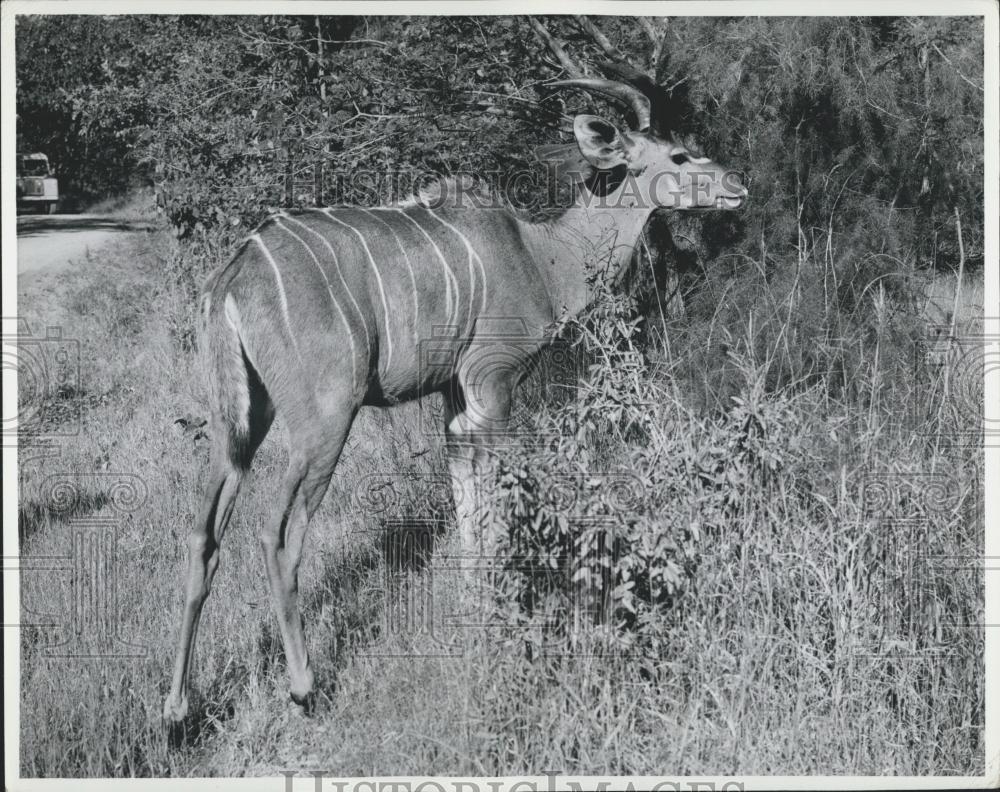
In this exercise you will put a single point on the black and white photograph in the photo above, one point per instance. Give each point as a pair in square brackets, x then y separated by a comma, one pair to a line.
[493, 396]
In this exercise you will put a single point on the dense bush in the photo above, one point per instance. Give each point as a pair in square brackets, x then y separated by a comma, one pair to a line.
[631, 504]
[609, 514]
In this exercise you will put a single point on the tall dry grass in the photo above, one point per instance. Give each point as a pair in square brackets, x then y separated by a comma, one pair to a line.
[792, 588]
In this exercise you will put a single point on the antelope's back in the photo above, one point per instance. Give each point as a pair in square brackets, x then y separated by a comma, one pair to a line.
[371, 292]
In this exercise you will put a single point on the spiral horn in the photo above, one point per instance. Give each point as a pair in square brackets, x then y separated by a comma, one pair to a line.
[618, 92]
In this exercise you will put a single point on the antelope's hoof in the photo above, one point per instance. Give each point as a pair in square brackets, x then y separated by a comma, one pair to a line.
[175, 709]
[302, 705]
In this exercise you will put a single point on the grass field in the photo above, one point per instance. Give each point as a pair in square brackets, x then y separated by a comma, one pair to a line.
[823, 618]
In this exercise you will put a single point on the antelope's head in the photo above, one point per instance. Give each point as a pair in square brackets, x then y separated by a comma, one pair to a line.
[663, 172]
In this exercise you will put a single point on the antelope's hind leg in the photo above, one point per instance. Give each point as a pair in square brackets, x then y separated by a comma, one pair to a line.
[230, 458]
[313, 454]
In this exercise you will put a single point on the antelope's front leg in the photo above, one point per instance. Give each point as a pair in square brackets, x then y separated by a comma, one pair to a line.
[474, 418]
[466, 463]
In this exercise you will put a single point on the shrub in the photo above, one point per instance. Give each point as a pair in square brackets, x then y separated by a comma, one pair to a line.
[606, 517]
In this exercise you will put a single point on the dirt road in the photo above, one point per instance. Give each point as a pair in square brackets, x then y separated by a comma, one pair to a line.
[50, 242]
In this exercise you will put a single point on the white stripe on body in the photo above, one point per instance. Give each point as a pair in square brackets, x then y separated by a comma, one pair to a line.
[381, 285]
[333, 299]
[472, 279]
[343, 281]
[281, 293]
[413, 279]
[452, 306]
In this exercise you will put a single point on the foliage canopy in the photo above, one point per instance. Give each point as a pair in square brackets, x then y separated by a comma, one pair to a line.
[869, 128]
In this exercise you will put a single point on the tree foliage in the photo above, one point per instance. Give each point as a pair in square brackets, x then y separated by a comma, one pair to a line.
[862, 134]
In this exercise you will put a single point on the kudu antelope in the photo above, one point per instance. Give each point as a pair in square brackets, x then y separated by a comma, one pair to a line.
[321, 311]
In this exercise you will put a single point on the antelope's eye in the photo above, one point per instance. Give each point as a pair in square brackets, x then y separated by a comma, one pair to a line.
[679, 159]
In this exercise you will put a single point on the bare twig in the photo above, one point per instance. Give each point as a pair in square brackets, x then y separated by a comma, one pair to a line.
[533, 112]
[320, 68]
[563, 123]
[374, 42]
[961, 270]
[656, 38]
[259, 38]
[602, 41]
[555, 47]
[957, 71]
[510, 97]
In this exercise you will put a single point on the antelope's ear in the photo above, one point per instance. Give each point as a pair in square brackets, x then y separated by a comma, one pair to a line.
[601, 143]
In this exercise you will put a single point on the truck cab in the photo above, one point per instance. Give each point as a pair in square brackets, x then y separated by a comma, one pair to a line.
[36, 186]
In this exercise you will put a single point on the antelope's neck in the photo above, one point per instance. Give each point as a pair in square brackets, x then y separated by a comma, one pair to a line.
[594, 235]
